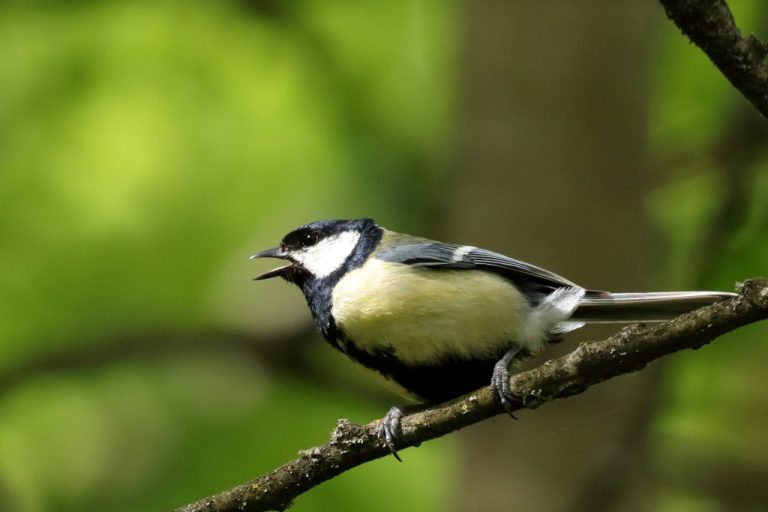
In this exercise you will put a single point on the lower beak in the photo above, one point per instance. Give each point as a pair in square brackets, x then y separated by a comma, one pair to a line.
[275, 272]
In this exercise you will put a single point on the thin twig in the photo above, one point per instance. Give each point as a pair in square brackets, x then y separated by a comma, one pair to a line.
[711, 26]
[627, 351]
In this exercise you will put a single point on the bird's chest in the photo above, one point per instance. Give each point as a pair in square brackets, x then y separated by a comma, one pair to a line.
[420, 316]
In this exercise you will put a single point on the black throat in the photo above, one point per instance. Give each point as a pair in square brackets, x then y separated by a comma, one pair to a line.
[319, 291]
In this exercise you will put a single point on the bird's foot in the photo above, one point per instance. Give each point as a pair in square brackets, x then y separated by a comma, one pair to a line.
[500, 381]
[389, 426]
[389, 429]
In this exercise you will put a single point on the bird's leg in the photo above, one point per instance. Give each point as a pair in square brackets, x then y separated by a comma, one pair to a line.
[500, 379]
[389, 426]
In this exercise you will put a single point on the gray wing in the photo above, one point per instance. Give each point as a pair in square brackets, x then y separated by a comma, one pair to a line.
[449, 256]
[537, 283]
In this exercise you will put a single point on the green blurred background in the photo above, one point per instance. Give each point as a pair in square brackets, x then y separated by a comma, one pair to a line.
[148, 148]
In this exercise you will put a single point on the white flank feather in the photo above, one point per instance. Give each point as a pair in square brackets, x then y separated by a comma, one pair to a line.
[551, 315]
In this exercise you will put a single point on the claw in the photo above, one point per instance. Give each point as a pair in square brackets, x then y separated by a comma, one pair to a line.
[500, 381]
[389, 428]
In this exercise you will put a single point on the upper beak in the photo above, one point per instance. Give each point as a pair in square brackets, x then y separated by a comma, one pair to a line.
[271, 253]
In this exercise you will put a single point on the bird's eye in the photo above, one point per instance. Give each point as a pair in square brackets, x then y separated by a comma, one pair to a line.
[309, 239]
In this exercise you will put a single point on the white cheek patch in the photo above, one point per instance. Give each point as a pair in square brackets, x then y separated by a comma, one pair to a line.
[328, 254]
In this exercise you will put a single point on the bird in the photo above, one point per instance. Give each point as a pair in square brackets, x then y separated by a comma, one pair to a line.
[439, 320]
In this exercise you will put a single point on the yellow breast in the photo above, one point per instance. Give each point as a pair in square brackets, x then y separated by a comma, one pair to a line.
[424, 314]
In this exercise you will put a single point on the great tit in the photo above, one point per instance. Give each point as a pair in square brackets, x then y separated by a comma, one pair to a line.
[441, 320]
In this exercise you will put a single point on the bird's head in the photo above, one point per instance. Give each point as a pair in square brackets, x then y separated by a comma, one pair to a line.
[318, 249]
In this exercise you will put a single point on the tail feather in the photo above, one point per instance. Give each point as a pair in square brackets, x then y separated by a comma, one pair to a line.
[605, 307]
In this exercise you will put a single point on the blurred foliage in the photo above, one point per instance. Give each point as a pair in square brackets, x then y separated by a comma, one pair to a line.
[146, 149]
[707, 446]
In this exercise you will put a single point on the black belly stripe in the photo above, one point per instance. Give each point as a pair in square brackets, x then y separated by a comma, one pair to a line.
[433, 383]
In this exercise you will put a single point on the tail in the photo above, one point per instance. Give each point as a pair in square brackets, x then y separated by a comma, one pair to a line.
[605, 307]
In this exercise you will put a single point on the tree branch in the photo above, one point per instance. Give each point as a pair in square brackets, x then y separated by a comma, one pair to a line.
[710, 25]
[627, 351]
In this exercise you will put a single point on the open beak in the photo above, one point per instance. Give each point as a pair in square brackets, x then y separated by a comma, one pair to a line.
[275, 272]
